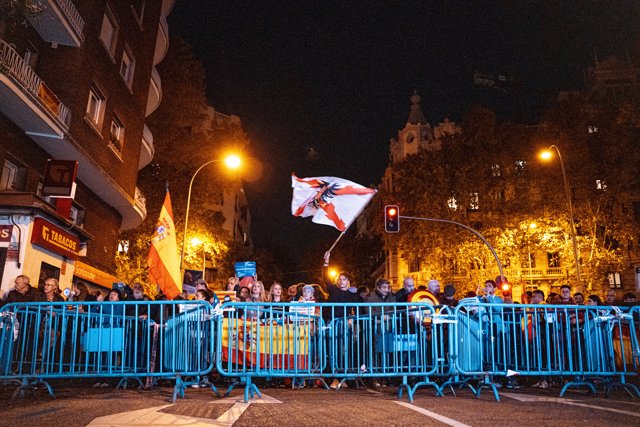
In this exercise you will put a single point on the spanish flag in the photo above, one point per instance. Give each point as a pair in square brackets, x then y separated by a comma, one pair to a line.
[164, 265]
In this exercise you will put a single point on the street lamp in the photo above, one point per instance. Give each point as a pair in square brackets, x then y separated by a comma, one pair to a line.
[232, 161]
[547, 155]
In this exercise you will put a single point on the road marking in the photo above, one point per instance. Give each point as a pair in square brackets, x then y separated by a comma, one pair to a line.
[149, 416]
[433, 415]
[239, 406]
[368, 390]
[562, 401]
[154, 416]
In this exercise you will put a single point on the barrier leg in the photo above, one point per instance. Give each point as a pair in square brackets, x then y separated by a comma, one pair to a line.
[178, 388]
[27, 385]
[405, 384]
[578, 383]
[250, 390]
[487, 382]
[456, 381]
[234, 383]
[629, 388]
[427, 382]
[125, 381]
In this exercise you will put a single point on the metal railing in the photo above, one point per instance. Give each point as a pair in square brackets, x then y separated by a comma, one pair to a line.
[73, 16]
[13, 65]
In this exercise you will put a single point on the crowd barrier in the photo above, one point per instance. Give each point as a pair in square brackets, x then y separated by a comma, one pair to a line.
[584, 343]
[127, 341]
[413, 344]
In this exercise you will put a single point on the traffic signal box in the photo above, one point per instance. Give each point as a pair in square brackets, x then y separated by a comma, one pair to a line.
[391, 219]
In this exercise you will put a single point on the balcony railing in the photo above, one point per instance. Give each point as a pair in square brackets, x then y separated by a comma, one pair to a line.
[72, 15]
[147, 149]
[58, 22]
[13, 65]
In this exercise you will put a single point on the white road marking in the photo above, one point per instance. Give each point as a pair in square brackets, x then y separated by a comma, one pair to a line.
[435, 416]
[562, 401]
[155, 416]
[368, 390]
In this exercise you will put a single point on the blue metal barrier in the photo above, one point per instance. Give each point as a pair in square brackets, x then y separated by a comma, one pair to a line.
[543, 340]
[360, 341]
[131, 340]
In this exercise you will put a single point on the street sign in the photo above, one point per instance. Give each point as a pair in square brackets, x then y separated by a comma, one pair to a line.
[59, 177]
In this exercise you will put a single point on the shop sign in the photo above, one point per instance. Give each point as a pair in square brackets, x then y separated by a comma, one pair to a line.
[5, 233]
[55, 239]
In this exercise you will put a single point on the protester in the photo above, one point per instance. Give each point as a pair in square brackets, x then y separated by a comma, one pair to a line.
[22, 292]
[408, 286]
[276, 293]
[52, 290]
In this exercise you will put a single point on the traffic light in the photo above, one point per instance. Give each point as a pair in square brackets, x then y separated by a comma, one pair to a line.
[391, 219]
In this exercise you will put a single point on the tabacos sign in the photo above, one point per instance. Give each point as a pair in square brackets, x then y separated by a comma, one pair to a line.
[55, 239]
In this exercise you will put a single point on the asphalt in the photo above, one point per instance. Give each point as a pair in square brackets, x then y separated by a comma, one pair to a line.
[78, 405]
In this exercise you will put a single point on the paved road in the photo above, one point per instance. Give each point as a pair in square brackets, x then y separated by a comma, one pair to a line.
[311, 407]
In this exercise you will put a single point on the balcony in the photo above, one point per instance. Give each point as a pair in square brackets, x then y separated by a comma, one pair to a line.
[147, 149]
[26, 100]
[140, 202]
[167, 5]
[155, 92]
[162, 42]
[59, 22]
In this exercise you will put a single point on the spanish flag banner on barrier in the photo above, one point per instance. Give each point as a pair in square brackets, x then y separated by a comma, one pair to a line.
[267, 346]
[164, 265]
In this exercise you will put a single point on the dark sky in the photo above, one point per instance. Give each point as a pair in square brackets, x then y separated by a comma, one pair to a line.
[337, 76]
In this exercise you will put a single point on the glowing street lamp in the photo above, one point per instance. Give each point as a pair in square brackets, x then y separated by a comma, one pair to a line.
[547, 155]
[232, 161]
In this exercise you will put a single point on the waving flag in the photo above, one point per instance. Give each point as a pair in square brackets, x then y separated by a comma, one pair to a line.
[329, 200]
[164, 265]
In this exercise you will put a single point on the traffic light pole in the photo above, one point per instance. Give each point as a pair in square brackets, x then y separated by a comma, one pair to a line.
[463, 226]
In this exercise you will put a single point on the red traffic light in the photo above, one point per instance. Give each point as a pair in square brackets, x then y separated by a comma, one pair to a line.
[391, 219]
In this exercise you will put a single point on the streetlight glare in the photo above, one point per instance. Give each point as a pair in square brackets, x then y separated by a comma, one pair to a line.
[533, 225]
[546, 155]
[333, 273]
[232, 161]
[195, 241]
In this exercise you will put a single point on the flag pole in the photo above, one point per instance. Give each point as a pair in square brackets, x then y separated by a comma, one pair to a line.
[336, 242]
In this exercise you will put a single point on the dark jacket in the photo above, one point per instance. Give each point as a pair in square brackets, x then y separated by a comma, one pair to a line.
[32, 295]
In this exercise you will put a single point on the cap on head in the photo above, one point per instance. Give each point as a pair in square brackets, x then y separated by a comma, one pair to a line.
[449, 290]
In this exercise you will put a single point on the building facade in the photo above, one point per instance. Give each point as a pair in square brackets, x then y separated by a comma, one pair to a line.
[77, 80]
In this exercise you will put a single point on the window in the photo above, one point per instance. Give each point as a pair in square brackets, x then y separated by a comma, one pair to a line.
[109, 32]
[452, 203]
[495, 171]
[95, 107]
[553, 259]
[116, 134]
[520, 167]
[474, 201]
[414, 265]
[600, 185]
[127, 66]
[123, 246]
[9, 176]
[77, 215]
[592, 129]
[31, 56]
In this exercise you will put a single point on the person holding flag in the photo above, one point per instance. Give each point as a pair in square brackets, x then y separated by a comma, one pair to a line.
[164, 265]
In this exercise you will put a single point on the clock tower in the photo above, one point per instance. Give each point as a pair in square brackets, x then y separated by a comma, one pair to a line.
[417, 133]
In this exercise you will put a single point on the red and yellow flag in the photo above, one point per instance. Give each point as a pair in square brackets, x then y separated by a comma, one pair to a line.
[163, 261]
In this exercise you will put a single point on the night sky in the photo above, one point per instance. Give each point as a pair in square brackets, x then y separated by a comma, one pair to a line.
[321, 86]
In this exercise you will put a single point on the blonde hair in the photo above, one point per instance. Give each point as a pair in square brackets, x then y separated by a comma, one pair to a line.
[283, 295]
[263, 294]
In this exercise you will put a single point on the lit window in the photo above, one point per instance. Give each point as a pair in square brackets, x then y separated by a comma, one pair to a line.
[592, 129]
[127, 66]
[600, 184]
[474, 201]
[116, 134]
[495, 171]
[76, 214]
[109, 32]
[452, 203]
[123, 246]
[95, 107]
[520, 167]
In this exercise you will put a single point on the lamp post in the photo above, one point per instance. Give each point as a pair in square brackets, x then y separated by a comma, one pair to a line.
[546, 155]
[196, 242]
[532, 226]
[233, 162]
